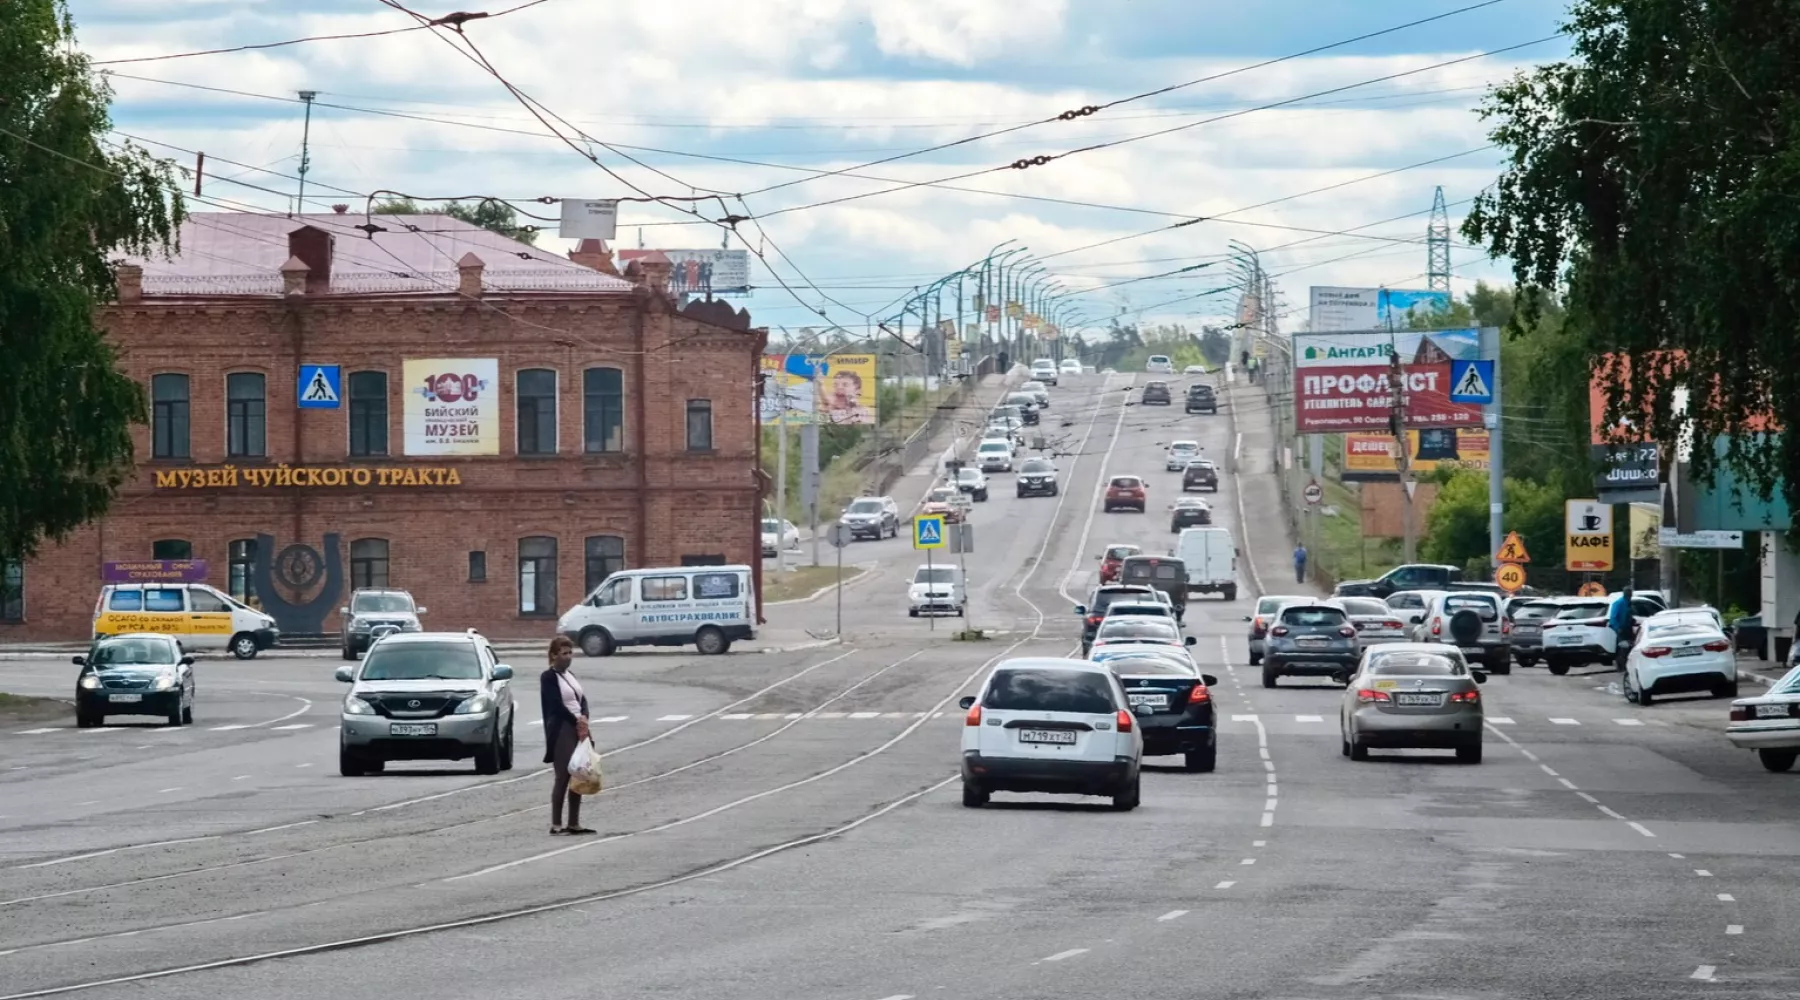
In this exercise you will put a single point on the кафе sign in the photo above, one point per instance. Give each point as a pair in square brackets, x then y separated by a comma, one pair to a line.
[283, 476]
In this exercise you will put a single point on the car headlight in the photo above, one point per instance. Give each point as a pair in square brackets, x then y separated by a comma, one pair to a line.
[477, 705]
[358, 625]
[354, 705]
[90, 682]
[165, 682]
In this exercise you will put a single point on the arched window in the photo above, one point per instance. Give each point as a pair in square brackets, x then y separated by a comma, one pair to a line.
[605, 556]
[368, 563]
[368, 414]
[537, 575]
[603, 410]
[537, 411]
[169, 416]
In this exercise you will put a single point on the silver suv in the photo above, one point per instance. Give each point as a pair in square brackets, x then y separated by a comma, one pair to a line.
[372, 614]
[427, 696]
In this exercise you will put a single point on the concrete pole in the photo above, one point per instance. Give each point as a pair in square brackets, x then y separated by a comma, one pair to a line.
[1490, 347]
[781, 452]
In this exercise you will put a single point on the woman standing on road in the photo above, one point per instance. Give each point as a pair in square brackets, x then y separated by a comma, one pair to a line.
[565, 710]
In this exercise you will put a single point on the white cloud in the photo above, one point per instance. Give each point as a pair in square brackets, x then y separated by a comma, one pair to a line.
[962, 32]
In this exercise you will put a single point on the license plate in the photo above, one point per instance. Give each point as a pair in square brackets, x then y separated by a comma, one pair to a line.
[1471, 650]
[124, 697]
[1046, 736]
[1307, 640]
[412, 729]
[1771, 711]
[1690, 651]
[1422, 700]
[1155, 701]
[1568, 640]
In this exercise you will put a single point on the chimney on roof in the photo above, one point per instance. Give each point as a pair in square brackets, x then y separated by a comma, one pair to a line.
[293, 276]
[468, 276]
[130, 278]
[314, 248]
[340, 209]
[651, 271]
[594, 254]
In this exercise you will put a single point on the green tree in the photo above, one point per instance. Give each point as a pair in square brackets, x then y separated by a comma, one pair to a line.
[488, 213]
[70, 199]
[1651, 180]
[1457, 526]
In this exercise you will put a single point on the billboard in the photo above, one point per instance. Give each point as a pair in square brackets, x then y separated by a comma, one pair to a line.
[1335, 310]
[702, 272]
[451, 406]
[155, 571]
[1341, 379]
[1370, 457]
[1588, 525]
[819, 388]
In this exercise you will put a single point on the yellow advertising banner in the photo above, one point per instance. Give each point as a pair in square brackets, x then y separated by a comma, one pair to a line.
[283, 475]
[818, 388]
[1370, 457]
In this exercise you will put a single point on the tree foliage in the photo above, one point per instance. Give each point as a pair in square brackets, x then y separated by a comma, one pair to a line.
[488, 213]
[67, 202]
[1651, 181]
[1457, 526]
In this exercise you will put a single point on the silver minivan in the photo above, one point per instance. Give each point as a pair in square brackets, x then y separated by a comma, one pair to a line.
[709, 607]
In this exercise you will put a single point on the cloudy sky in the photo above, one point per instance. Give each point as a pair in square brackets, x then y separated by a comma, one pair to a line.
[755, 99]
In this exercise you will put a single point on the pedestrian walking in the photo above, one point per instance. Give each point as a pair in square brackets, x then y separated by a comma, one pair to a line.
[565, 711]
[1300, 563]
[1619, 618]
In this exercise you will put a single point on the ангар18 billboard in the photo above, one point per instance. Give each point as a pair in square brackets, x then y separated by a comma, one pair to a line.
[1341, 379]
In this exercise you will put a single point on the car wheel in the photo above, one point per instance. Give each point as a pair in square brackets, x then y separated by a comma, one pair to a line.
[175, 713]
[88, 720]
[1469, 754]
[1558, 669]
[597, 642]
[1358, 749]
[506, 748]
[487, 759]
[243, 646]
[711, 641]
[1231, 592]
[1270, 674]
[1778, 760]
[1729, 690]
[347, 652]
[1343, 743]
[349, 764]
[1255, 658]
[912, 612]
[1202, 761]
[974, 796]
[1501, 665]
[1128, 797]
[1021, 494]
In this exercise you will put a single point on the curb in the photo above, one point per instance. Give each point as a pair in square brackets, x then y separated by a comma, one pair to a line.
[868, 571]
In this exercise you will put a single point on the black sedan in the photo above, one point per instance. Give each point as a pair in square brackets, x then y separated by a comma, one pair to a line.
[1200, 474]
[1173, 703]
[1201, 399]
[1155, 392]
[1189, 512]
[140, 673]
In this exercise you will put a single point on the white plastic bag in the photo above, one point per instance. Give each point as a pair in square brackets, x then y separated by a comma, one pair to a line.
[585, 777]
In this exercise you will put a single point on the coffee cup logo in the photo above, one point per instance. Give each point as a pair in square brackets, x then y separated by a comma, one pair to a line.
[1590, 522]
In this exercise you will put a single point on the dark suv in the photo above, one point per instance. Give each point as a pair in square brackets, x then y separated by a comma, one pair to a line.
[374, 613]
[1094, 611]
[1310, 640]
[1200, 474]
[1200, 399]
[1155, 392]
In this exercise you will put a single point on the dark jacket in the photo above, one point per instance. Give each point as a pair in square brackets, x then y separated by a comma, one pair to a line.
[556, 714]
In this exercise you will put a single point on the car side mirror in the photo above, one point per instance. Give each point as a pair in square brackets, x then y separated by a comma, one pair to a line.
[502, 672]
[80, 661]
[187, 661]
[346, 674]
[967, 703]
[1479, 675]
[1081, 609]
[1192, 641]
[1246, 617]
[344, 610]
[420, 611]
[1209, 680]
[1418, 619]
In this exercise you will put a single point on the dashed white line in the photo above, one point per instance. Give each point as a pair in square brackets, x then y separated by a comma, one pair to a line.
[241, 777]
[1678, 857]
[865, 715]
[297, 725]
[899, 996]
[1268, 819]
[166, 791]
[1173, 915]
[1259, 843]
[1703, 873]
[284, 826]
[1734, 929]
[1589, 798]
[1269, 805]
[1243, 718]
[1309, 718]
[1639, 827]
[1500, 720]
[613, 718]
[1061, 955]
[1224, 885]
[40, 732]
[1247, 861]
[1546, 768]
[1704, 972]
[1629, 722]
[1726, 897]
[1570, 785]
[674, 718]
[307, 764]
[1565, 722]
[1611, 812]
[1268, 766]
[114, 850]
[737, 716]
[223, 729]
[828, 715]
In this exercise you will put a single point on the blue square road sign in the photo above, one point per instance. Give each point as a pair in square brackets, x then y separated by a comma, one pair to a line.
[1472, 382]
[320, 387]
[928, 532]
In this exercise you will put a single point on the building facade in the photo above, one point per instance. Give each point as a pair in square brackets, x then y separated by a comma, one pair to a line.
[413, 402]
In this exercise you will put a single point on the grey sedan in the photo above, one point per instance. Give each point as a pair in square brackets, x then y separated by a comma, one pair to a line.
[1413, 695]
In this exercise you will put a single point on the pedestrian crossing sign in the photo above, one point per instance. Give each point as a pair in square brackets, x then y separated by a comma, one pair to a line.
[1512, 550]
[1472, 382]
[928, 532]
[321, 387]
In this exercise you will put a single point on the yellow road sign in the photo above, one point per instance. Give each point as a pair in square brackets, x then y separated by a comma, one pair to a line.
[1510, 577]
[1513, 549]
[928, 532]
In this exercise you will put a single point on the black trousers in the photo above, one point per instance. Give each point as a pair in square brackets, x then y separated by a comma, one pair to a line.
[559, 789]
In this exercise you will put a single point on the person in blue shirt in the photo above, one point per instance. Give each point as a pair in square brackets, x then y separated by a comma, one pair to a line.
[1619, 619]
[1300, 563]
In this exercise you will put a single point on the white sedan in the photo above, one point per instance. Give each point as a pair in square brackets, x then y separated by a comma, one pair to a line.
[1769, 723]
[1679, 657]
[778, 534]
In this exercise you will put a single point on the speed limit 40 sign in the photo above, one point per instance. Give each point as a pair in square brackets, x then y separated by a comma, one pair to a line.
[1510, 577]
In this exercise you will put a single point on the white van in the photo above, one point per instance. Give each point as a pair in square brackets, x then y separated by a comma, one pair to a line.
[1211, 557]
[199, 616]
[706, 606]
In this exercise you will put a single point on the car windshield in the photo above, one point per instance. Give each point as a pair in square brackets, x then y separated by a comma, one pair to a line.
[133, 653]
[1156, 385]
[1575, 611]
[1534, 612]
[994, 446]
[1485, 607]
[934, 575]
[1312, 616]
[420, 661]
[381, 602]
[771, 526]
[1415, 665]
[1269, 605]
[1365, 606]
[1122, 551]
[866, 507]
[1044, 689]
[1187, 447]
[1107, 598]
[1037, 465]
[1139, 608]
[1159, 359]
[1139, 665]
[1138, 627]
[1126, 482]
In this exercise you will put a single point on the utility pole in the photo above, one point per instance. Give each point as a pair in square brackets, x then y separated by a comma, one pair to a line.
[308, 96]
[781, 452]
[1490, 347]
[1403, 454]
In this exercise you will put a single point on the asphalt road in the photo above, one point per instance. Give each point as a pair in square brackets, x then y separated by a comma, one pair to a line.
[786, 826]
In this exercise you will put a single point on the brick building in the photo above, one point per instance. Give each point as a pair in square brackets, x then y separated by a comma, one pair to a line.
[429, 406]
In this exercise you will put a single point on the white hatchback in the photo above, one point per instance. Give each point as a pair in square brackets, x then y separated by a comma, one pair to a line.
[1675, 656]
[1045, 724]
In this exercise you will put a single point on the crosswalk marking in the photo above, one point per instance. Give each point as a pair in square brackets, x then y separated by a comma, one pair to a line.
[1629, 722]
[1501, 720]
[675, 718]
[1309, 718]
[614, 718]
[1565, 722]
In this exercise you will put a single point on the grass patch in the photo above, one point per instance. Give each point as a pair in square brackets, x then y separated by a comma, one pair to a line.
[15, 706]
[802, 581]
[1342, 553]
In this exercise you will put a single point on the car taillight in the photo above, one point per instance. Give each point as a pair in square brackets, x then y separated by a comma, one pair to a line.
[1346, 631]
[1717, 646]
[1437, 626]
[1125, 723]
[1393, 625]
[1367, 695]
[974, 716]
[1547, 626]
[1279, 630]
[1742, 713]
[1199, 695]
[1257, 625]
[1655, 651]
[1505, 626]
[1465, 697]
[1095, 619]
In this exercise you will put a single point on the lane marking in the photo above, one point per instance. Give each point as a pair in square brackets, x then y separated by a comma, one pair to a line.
[1570, 785]
[226, 729]
[1247, 861]
[1678, 857]
[1588, 798]
[166, 791]
[1565, 722]
[1734, 929]
[1224, 885]
[1178, 914]
[1061, 955]
[1726, 897]
[1259, 843]
[612, 718]
[39, 732]
[1269, 805]
[113, 850]
[284, 826]
[241, 777]
[1268, 819]
[1608, 810]
[1629, 722]
[307, 764]
[1703, 873]
[1639, 827]
[296, 725]
[1309, 718]
[737, 716]
[865, 715]
[1704, 972]
[1243, 718]
[675, 718]
[1501, 720]
[1547, 770]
